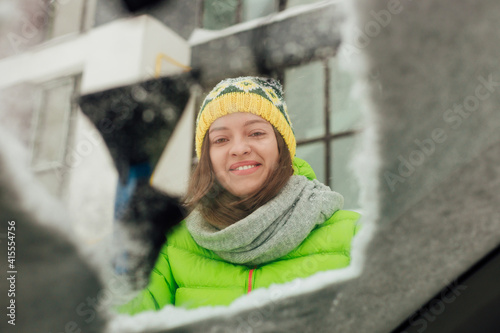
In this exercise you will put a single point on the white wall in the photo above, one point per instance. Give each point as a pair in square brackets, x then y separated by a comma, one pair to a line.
[118, 53]
[173, 170]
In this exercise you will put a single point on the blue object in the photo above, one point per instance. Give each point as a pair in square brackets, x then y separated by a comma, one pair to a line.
[124, 192]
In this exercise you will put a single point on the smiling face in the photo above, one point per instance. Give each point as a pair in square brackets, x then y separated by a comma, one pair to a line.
[243, 152]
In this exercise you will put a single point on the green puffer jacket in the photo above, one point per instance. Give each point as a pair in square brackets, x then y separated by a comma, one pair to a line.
[190, 276]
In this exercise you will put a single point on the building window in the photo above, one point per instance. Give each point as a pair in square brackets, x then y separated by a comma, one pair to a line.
[66, 17]
[326, 120]
[51, 124]
[292, 3]
[220, 14]
[252, 9]
[344, 110]
[314, 154]
[305, 92]
[341, 178]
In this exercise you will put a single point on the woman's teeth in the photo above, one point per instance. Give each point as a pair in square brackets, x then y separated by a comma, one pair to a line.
[245, 167]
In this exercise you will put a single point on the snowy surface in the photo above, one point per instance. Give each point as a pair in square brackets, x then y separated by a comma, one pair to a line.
[54, 274]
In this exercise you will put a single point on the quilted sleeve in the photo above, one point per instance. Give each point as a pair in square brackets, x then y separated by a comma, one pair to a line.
[159, 292]
[302, 168]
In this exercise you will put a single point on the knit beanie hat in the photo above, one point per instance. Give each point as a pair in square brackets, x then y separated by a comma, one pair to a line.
[260, 96]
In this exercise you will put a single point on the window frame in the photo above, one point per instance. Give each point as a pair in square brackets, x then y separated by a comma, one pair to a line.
[57, 166]
[328, 137]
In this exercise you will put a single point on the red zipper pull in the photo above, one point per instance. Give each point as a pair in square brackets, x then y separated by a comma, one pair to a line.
[250, 279]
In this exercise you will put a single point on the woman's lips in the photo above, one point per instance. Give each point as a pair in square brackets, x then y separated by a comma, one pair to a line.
[243, 163]
[245, 169]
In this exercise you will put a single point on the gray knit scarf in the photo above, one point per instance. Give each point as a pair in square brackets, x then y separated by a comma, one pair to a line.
[274, 229]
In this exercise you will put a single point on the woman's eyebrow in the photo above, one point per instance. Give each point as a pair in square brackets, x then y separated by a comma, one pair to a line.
[247, 123]
[217, 129]
[250, 122]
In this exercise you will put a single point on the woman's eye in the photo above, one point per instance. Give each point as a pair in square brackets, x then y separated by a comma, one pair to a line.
[221, 140]
[257, 134]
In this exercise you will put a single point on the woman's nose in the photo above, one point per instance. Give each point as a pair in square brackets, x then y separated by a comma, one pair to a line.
[240, 147]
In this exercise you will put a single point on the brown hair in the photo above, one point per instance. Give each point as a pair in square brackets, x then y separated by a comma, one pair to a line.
[221, 208]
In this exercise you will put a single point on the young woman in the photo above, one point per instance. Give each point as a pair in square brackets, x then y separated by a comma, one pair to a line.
[257, 214]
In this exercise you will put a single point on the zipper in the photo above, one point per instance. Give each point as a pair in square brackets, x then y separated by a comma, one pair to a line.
[250, 274]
